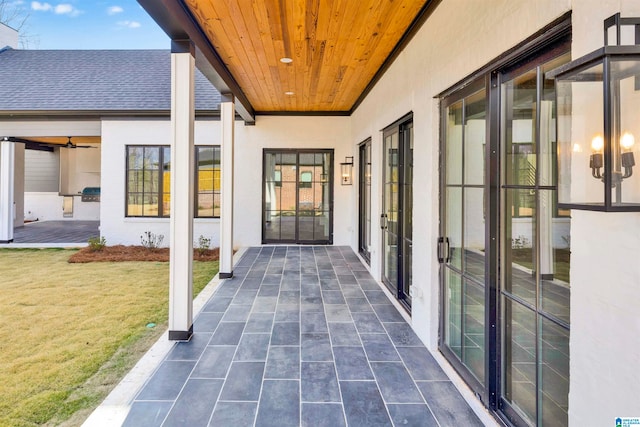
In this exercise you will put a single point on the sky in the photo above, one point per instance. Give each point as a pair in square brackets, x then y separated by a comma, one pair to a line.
[88, 24]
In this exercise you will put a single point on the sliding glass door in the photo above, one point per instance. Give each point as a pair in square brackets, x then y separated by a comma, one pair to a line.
[462, 249]
[505, 246]
[534, 294]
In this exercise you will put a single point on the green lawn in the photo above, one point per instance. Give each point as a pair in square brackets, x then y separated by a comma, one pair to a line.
[69, 332]
[562, 259]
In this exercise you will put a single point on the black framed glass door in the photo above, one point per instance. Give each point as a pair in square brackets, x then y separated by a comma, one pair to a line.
[535, 285]
[298, 196]
[396, 219]
[462, 248]
[364, 200]
[505, 246]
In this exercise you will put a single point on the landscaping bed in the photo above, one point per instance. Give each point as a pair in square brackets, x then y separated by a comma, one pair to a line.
[119, 253]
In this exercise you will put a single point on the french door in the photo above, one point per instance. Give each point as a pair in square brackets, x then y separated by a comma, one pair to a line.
[505, 246]
[395, 220]
[462, 247]
[298, 196]
[364, 200]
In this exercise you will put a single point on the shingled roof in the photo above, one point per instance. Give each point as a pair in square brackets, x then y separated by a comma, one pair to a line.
[97, 81]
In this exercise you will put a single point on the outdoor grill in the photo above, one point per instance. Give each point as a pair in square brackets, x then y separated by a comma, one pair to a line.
[90, 194]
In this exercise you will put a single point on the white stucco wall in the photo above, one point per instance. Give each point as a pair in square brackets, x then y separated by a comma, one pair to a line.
[116, 135]
[288, 132]
[79, 168]
[605, 278]
[460, 37]
[447, 49]
[47, 206]
[269, 132]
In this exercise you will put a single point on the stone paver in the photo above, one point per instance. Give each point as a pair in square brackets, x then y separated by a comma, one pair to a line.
[301, 335]
[56, 232]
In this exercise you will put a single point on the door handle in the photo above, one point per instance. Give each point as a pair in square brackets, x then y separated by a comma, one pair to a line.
[383, 221]
[443, 250]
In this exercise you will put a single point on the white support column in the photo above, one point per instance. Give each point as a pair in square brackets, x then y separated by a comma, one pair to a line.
[227, 121]
[182, 188]
[7, 165]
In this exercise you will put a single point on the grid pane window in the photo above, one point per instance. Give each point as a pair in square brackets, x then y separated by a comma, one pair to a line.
[145, 182]
[208, 182]
[149, 181]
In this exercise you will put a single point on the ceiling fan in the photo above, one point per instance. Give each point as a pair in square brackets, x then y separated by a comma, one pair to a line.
[70, 144]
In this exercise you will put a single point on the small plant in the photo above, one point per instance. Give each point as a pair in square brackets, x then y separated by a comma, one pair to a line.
[97, 244]
[520, 242]
[203, 245]
[151, 240]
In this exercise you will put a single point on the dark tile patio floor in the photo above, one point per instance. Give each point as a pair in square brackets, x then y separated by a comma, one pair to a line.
[304, 336]
[56, 232]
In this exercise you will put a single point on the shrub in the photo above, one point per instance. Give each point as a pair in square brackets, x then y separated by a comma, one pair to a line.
[520, 242]
[151, 240]
[97, 243]
[203, 245]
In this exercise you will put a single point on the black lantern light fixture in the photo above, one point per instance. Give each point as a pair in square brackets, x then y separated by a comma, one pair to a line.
[346, 171]
[598, 114]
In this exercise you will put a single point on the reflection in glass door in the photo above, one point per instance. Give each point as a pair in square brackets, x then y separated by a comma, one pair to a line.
[395, 221]
[298, 196]
[536, 252]
[462, 247]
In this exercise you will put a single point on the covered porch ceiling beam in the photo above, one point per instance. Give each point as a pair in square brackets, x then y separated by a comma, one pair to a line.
[178, 23]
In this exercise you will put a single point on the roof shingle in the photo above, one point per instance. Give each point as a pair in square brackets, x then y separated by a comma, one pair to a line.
[93, 80]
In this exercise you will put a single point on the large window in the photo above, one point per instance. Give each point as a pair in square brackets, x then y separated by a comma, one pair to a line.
[208, 182]
[149, 180]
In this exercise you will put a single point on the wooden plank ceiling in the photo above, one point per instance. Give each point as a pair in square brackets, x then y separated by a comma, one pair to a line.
[337, 46]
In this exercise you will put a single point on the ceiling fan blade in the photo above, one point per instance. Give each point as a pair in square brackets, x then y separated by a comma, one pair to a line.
[32, 144]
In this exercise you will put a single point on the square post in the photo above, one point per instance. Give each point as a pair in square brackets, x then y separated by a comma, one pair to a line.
[7, 167]
[182, 188]
[227, 116]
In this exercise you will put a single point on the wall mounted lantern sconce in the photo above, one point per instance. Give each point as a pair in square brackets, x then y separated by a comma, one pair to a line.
[598, 114]
[346, 170]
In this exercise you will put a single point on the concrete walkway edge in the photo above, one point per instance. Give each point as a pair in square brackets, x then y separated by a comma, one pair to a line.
[115, 407]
